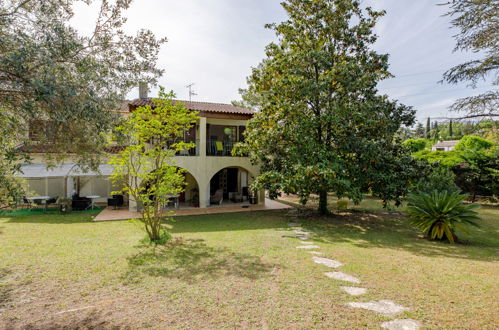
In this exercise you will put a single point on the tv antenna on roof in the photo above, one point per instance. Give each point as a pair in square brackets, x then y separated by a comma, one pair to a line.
[191, 92]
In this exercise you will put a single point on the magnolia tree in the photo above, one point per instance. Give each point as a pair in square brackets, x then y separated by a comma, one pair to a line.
[144, 167]
[322, 126]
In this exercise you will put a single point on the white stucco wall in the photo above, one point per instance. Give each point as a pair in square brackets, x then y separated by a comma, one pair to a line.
[201, 167]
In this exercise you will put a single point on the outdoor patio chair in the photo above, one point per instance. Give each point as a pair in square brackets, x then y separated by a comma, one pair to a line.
[218, 197]
[80, 203]
[116, 201]
[220, 147]
[112, 202]
[52, 200]
[27, 203]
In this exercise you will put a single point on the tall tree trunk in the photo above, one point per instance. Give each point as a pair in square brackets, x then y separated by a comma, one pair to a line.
[323, 202]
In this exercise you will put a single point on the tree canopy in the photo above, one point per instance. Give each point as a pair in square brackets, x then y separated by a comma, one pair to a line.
[322, 126]
[62, 83]
[474, 162]
[478, 25]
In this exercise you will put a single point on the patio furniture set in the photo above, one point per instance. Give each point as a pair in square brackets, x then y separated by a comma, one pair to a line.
[77, 202]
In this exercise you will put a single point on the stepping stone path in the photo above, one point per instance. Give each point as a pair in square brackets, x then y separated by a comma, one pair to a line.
[327, 262]
[385, 307]
[398, 324]
[308, 247]
[342, 277]
[302, 234]
[353, 291]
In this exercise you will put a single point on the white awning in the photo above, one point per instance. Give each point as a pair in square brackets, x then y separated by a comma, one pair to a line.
[41, 171]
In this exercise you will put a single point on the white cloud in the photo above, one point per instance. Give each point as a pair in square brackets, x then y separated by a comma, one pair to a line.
[214, 43]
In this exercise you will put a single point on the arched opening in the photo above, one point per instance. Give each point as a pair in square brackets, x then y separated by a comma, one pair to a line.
[188, 198]
[230, 186]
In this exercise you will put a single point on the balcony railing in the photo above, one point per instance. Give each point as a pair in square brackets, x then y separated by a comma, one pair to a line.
[191, 152]
[219, 148]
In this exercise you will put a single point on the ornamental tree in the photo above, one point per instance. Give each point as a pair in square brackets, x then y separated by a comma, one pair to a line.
[322, 126]
[144, 168]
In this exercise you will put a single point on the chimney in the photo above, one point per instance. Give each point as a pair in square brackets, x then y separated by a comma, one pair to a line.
[143, 89]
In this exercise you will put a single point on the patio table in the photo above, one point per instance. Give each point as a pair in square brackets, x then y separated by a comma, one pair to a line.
[40, 198]
[175, 200]
[92, 198]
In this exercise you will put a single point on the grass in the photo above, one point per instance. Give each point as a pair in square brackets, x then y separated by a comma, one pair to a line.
[241, 270]
[50, 210]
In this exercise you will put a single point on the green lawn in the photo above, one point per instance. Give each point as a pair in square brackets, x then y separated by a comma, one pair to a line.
[241, 270]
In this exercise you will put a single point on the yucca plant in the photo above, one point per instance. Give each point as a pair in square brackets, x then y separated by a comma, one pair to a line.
[438, 213]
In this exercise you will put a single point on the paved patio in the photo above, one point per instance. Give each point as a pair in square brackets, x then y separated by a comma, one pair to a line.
[109, 214]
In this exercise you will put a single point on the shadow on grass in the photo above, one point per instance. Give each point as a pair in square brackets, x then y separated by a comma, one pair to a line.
[393, 231]
[191, 260]
[72, 320]
[230, 222]
[5, 288]
[71, 218]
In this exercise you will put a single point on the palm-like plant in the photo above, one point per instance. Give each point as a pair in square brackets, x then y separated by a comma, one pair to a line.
[439, 212]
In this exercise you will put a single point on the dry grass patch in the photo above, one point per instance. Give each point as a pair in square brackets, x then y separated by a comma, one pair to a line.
[240, 270]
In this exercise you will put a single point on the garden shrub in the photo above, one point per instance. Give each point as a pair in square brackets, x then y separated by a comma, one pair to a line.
[415, 145]
[439, 178]
[473, 143]
[439, 213]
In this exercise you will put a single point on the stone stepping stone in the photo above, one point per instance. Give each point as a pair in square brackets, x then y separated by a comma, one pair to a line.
[301, 231]
[327, 262]
[353, 291]
[315, 252]
[342, 277]
[294, 224]
[301, 234]
[307, 243]
[398, 324]
[385, 307]
[308, 247]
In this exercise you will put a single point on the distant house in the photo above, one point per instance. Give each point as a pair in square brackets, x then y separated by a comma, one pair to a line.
[444, 145]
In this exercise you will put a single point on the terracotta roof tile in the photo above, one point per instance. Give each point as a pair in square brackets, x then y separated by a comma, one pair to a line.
[450, 143]
[50, 149]
[199, 106]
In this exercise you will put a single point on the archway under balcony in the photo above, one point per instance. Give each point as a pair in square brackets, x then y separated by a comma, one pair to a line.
[229, 186]
[189, 197]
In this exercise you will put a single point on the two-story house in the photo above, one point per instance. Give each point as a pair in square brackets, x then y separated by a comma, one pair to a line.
[211, 168]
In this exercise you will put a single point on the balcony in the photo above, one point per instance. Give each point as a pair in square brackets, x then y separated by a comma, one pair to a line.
[219, 148]
[190, 152]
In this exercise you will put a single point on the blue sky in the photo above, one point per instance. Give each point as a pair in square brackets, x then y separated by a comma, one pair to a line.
[214, 44]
